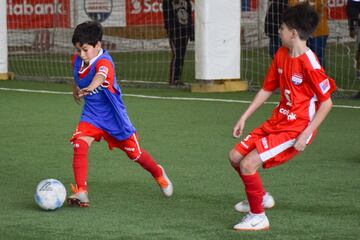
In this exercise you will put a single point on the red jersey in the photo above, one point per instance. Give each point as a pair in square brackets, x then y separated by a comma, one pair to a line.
[303, 84]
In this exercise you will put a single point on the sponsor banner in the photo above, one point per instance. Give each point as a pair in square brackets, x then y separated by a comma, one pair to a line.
[110, 13]
[145, 12]
[27, 14]
[149, 12]
[337, 9]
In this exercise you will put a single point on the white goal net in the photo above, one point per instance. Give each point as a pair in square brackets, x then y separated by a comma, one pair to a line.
[39, 40]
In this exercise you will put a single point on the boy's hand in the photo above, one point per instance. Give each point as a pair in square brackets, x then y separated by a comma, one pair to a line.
[88, 90]
[76, 94]
[238, 128]
[94, 87]
[85, 91]
[300, 143]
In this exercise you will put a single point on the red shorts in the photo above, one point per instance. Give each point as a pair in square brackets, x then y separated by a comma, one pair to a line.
[274, 149]
[130, 146]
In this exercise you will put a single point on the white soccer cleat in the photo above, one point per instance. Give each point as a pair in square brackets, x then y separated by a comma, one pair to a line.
[165, 183]
[79, 197]
[243, 206]
[253, 222]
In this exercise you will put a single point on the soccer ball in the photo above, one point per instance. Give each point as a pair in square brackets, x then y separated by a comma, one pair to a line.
[50, 194]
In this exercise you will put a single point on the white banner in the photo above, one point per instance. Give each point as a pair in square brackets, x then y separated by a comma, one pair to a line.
[110, 13]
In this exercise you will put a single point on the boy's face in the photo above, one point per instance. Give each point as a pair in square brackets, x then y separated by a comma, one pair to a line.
[87, 52]
[286, 35]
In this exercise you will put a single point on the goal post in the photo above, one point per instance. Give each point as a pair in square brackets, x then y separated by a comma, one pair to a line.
[4, 75]
[217, 46]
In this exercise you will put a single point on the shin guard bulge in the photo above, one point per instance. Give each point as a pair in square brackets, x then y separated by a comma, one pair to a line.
[148, 163]
[80, 163]
[254, 192]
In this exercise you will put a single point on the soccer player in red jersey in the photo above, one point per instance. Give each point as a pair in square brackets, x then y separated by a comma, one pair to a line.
[305, 101]
[104, 114]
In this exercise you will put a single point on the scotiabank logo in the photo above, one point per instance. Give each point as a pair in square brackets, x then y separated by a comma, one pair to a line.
[32, 14]
[145, 12]
[290, 116]
[146, 6]
[33, 8]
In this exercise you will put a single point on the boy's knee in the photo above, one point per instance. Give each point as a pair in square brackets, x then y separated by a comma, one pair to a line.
[234, 157]
[245, 166]
[249, 165]
[80, 145]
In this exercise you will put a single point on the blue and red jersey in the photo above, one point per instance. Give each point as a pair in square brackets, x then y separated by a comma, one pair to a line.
[104, 108]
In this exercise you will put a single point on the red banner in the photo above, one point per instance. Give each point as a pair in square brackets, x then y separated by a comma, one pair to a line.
[145, 12]
[337, 9]
[27, 14]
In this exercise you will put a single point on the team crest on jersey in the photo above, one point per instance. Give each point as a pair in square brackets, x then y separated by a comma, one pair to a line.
[103, 69]
[297, 79]
[324, 85]
[98, 10]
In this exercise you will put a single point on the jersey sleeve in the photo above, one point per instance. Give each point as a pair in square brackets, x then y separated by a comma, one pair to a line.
[321, 84]
[73, 57]
[271, 81]
[106, 69]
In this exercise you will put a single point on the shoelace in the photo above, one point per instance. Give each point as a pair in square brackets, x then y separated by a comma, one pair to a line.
[247, 218]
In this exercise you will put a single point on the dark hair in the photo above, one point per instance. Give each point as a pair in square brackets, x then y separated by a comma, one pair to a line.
[88, 32]
[303, 18]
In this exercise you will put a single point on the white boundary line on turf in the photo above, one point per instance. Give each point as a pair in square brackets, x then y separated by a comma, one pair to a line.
[34, 91]
[159, 97]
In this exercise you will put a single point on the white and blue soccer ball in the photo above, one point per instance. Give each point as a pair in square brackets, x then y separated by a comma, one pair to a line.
[50, 194]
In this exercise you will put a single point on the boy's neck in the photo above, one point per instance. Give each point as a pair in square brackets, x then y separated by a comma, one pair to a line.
[298, 49]
[85, 65]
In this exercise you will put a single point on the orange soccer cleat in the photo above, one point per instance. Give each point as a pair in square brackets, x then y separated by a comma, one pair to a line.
[165, 183]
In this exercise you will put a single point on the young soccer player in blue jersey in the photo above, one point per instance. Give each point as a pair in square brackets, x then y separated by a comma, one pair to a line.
[104, 114]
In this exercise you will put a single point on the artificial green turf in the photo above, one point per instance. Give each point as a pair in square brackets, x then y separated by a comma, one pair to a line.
[316, 194]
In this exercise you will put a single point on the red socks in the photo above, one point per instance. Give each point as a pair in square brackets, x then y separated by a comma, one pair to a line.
[80, 163]
[148, 163]
[254, 192]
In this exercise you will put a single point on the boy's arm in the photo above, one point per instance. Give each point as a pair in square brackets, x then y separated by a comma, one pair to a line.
[75, 88]
[96, 82]
[319, 117]
[259, 99]
[76, 93]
